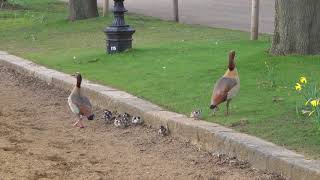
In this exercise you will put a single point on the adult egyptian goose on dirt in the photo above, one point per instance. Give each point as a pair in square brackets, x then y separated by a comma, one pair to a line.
[227, 87]
[80, 104]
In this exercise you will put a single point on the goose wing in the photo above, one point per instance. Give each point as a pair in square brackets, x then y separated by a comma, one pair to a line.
[83, 104]
[221, 89]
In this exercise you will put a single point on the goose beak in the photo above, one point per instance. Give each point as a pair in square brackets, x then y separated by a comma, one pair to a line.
[213, 106]
[91, 117]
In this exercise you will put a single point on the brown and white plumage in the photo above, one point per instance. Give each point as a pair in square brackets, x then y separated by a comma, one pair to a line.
[227, 87]
[80, 104]
[196, 114]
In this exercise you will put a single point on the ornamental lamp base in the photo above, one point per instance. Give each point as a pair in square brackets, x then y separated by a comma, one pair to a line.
[119, 38]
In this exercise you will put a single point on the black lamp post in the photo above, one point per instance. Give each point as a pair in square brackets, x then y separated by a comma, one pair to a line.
[119, 35]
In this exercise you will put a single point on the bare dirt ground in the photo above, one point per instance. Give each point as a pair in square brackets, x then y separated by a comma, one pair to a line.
[38, 141]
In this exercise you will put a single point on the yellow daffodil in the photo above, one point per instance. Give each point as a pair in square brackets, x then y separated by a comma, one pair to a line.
[298, 87]
[314, 103]
[303, 80]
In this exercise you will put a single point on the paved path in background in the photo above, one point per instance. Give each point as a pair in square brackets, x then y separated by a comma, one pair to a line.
[231, 14]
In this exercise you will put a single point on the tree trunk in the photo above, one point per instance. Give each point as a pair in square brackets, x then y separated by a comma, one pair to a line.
[2, 3]
[297, 27]
[105, 7]
[176, 10]
[82, 9]
[255, 19]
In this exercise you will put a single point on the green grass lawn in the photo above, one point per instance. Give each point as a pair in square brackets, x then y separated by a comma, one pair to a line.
[173, 65]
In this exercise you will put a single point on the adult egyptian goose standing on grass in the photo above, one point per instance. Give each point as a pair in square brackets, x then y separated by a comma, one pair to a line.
[80, 104]
[227, 87]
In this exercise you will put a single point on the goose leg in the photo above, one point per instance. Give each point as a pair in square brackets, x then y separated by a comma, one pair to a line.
[76, 123]
[214, 111]
[79, 122]
[227, 113]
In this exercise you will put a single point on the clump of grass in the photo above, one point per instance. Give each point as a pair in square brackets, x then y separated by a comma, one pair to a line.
[270, 76]
[40, 18]
[11, 5]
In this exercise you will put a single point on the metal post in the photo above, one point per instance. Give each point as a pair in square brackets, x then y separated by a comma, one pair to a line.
[119, 34]
[176, 10]
[105, 7]
[255, 20]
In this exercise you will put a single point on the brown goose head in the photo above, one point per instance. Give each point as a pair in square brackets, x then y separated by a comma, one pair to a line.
[232, 64]
[79, 79]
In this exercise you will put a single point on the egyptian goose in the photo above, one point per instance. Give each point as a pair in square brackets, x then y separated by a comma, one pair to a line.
[80, 104]
[196, 114]
[122, 120]
[108, 116]
[118, 122]
[227, 87]
[136, 120]
[162, 131]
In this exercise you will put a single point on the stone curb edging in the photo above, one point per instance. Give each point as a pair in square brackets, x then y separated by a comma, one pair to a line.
[209, 136]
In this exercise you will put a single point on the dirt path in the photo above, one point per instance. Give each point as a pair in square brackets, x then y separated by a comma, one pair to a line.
[37, 141]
